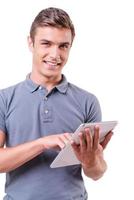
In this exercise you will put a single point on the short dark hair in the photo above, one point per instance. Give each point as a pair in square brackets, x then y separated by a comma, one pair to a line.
[54, 17]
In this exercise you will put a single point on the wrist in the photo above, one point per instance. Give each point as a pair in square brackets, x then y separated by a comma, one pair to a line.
[41, 144]
[95, 170]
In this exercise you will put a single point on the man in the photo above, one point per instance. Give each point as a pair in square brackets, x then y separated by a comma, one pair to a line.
[38, 115]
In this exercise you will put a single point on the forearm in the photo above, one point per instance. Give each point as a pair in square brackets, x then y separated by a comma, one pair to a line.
[13, 157]
[95, 171]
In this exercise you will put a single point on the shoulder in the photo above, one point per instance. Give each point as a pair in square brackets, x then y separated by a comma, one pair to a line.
[81, 93]
[8, 92]
[87, 101]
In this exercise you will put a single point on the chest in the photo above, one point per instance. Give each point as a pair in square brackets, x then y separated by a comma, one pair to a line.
[30, 118]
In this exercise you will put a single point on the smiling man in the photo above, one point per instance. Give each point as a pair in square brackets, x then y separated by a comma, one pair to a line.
[50, 48]
[38, 115]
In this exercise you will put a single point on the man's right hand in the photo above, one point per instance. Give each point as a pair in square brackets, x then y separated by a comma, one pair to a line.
[56, 141]
[13, 157]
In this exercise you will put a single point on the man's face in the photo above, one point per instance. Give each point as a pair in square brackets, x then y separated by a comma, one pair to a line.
[50, 50]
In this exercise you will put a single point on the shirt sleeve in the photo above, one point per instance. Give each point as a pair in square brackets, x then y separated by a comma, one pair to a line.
[94, 113]
[2, 113]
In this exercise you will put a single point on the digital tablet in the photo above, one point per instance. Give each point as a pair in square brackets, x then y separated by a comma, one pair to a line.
[67, 156]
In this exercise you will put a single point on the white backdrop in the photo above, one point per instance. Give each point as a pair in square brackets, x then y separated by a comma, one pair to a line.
[101, 61]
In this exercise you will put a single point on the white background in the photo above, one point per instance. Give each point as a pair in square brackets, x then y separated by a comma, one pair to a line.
[101, 61]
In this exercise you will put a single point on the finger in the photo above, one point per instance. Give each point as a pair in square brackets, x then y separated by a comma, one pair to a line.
[96, 137]
[75, 146]
[61, 142]
[68, 136]
[83, 144]
[88, 139]
[65, 138]
[106, 140]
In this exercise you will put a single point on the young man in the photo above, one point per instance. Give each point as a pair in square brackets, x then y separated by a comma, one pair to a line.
[38, 115]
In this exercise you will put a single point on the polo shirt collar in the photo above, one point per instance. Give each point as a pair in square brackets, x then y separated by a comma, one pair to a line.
[63, 85]
[32, 86]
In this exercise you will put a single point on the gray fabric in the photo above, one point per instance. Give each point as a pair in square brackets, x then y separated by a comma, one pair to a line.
[27, 112]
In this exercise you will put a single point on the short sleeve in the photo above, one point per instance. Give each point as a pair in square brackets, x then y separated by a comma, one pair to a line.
[2, 113]
[94, 110]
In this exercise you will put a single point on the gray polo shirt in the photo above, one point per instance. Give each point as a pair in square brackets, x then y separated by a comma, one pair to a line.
[28, 112]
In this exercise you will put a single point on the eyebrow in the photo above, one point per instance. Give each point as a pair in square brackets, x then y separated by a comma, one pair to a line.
[65, 43]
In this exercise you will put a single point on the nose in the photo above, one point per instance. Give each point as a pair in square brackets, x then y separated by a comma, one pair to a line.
[54, 52]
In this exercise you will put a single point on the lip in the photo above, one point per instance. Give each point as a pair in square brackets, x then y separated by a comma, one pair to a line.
[51, 65]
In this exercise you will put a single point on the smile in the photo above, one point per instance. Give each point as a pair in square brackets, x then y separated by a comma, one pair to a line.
[52, 65]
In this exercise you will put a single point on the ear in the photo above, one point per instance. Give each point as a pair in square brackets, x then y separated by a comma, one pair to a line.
[30, 43]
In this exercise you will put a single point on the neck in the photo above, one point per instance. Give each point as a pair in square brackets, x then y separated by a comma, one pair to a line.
[49, 82]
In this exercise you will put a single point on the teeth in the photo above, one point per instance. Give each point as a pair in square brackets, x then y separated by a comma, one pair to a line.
[53, 64]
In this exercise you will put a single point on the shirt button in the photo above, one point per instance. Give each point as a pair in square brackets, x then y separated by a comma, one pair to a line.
[46, 111]
[40, 87]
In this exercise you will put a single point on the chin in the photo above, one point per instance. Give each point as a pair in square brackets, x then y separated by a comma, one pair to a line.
[50, 74]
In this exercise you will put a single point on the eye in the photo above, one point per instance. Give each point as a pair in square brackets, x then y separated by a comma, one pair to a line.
[46, 44]
[64, 46]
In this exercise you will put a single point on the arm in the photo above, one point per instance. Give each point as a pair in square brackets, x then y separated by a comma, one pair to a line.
[13, 157]
[90, 153]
